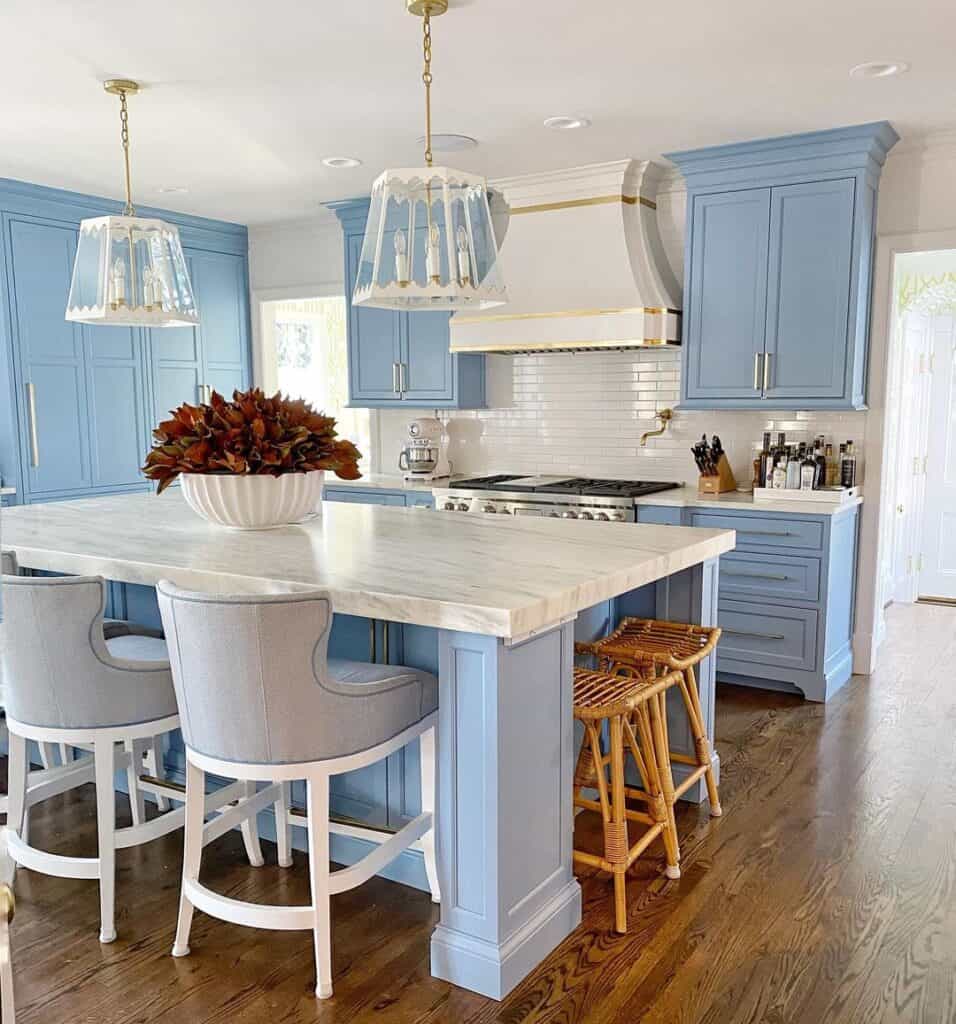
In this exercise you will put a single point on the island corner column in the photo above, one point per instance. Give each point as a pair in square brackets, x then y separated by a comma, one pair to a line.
[505, 770]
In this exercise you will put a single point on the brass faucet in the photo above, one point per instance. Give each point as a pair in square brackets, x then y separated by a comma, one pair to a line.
[665, 416]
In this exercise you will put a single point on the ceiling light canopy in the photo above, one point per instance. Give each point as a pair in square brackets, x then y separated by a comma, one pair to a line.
[449, 142]
[566, 123]
[879, 69]
[130, 271]
[429, 240]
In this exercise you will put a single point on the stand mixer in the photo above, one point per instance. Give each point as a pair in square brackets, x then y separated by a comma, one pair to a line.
[424, 454]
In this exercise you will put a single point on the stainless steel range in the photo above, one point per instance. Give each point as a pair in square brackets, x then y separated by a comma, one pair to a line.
[560, 497]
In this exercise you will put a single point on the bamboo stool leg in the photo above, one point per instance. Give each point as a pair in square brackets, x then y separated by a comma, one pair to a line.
[652, 782]
[701, 745]
[658, 715]
[615, 831]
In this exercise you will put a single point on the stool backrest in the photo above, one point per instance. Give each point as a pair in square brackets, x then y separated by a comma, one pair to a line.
[249, 672]
[56, 667]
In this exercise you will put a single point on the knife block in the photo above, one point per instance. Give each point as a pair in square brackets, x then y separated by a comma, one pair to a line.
[721, 482]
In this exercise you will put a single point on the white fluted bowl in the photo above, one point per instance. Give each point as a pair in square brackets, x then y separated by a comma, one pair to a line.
[254, 502]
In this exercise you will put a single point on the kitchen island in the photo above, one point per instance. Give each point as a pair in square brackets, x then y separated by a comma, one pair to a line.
[494, 607]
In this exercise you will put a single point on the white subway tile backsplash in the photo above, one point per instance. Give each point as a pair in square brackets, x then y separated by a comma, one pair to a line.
[585, 413]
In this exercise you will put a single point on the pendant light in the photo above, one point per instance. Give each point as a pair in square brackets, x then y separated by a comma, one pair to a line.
[429, 240]
[130, 271]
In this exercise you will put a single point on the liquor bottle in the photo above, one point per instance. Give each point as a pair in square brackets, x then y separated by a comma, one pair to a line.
[820, 459]
[793, 469]
[848, 467]
[833, 469]
[780, 474]
[808, 471]
[766, 462]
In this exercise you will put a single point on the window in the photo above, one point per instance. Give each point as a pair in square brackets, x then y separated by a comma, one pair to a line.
[305, 355]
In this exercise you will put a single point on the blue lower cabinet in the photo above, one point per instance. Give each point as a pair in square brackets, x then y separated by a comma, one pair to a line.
[378, 496]
[786, 596]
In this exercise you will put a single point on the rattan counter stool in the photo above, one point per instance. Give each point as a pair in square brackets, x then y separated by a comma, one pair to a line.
[653, 647]
[634, 710]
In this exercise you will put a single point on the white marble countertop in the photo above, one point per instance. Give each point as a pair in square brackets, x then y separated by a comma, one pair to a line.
[688, 497]
[473, 573]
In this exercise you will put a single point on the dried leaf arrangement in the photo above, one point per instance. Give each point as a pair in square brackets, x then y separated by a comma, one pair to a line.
[252, 434]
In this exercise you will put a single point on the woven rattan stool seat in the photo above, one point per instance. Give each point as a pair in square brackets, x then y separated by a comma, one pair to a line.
[652, 641]
[601, 694]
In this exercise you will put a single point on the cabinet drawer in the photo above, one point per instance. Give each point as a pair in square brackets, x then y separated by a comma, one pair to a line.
[766, 532]
[783, 577]
[358, 497]
[767, 637]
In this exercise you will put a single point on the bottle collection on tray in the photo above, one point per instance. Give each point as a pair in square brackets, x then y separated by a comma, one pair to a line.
[793, 467]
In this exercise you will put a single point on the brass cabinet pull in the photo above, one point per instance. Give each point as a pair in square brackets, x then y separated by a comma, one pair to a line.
[32, 416]
[395, 373]
[402, 386]
[766, 372]
[757, 575]
[757, 357]
[759, 636]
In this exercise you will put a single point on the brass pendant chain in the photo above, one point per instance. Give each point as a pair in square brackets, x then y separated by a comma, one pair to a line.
[427, 79]
[124, 135]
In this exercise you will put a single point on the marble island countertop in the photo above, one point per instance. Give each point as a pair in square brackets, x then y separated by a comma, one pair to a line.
[688, 497]
[472, 573]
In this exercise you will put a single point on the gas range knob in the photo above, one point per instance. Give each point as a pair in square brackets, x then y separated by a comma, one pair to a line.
[585, 515]
[449, 506]
[569, 515]
[617, 517]
[602, 516]
[552, 515]
[489, 508]
[462, 506]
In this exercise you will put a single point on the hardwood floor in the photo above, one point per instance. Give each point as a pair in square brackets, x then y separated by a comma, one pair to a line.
[826, 893]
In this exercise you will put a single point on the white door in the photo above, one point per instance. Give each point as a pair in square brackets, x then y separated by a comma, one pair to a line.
[937, 576]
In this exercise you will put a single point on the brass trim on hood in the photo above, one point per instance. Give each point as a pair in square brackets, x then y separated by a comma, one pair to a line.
[568, 204]
[655, 310]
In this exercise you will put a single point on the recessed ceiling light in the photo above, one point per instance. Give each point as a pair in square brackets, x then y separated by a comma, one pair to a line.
[167, 189]
[341, 162]
[879, 69]
[567, 124]
[449, 142]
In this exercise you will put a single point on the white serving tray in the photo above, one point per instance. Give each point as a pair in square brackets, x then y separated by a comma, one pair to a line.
[827, 495]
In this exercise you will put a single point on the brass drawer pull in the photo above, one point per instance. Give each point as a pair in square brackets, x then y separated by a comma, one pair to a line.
[758, 575]
[759, 636]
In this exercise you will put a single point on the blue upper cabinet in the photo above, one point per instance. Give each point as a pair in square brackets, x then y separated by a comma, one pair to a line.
[78, 401]
[398, 358]
[778, 266]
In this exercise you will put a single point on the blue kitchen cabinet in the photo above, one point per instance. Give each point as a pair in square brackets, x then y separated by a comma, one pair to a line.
[90, 393]
[398, 358]
[786, 595]
[189, 361]
[82, 418]
[778, 267]
[378, 496]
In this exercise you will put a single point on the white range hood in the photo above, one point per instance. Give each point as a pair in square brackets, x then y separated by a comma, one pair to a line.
[585, 267]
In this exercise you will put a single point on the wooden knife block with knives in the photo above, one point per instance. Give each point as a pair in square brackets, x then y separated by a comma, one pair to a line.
[716, 476]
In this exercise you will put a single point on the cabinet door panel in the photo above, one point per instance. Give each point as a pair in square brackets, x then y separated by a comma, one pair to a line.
[374, 343]
[728, 291]
[116, 420]
[51, 357]
[176, 356]
[429, 374]
[221, 298]
[811, 238]
[173, 385]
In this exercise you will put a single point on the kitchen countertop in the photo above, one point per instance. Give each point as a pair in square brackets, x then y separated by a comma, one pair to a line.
[688, 497]
[385, 482]
[500, 578]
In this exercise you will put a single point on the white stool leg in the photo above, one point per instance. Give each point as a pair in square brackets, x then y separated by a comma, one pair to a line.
[192, 851]
[17, 768]
[156, 768]
[317, 801]
[137, 802]
[283, 826]
[427, 841]
[47, 754]
[250, 830]
[106, 836]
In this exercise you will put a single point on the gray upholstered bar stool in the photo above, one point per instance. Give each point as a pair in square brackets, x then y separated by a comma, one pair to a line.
[67, 684]
[260, 700]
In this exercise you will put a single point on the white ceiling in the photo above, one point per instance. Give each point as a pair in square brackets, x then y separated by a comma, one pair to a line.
[245, 98]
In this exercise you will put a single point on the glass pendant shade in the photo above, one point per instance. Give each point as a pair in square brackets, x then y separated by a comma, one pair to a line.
[429, 243]
[131, 271]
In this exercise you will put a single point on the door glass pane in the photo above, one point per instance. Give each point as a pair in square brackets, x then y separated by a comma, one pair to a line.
[305, 351]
